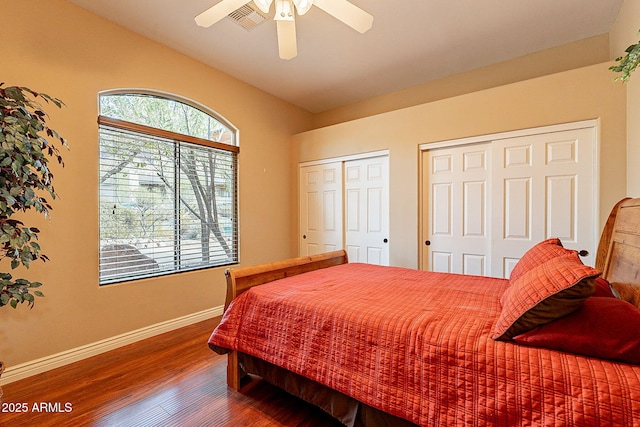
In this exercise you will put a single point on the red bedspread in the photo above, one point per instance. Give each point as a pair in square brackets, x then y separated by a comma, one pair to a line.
[417, 345]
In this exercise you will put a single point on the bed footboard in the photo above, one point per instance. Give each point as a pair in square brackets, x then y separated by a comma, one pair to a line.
[242, 279]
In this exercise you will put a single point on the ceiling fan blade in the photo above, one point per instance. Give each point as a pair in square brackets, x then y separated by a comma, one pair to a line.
[219, 11]
[347, 12]
[287, 45]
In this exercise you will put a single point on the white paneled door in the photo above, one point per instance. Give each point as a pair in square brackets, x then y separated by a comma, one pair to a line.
[487, 203]
[345, 205]
[543, 187]
[458, 236]
[321, 208]
[366, 191]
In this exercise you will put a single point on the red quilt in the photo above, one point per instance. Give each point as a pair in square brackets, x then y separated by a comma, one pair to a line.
[417, 345]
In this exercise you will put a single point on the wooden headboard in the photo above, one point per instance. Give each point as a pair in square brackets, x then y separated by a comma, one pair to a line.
[622, 262]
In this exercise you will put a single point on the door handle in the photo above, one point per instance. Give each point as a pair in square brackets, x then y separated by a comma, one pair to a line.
[428, 243]
[385, 240]
[583, 253]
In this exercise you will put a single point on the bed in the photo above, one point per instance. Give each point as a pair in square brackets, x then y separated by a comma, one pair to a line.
[558, 343]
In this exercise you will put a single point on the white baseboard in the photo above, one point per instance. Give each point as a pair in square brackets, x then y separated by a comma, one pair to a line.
[27, 369]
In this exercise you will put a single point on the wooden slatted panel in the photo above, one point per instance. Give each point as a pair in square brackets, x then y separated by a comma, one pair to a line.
[623, 257]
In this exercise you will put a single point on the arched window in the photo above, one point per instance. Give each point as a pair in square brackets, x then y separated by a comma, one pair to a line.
[168, 187]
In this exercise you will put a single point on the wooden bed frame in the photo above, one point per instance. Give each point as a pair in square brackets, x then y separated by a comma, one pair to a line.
[243, 279]
[622, 264]
[618, 257]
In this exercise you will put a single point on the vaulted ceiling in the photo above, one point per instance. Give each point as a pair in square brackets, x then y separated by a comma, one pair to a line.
[411, 42]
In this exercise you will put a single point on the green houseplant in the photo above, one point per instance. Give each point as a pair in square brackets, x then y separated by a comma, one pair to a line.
[26, 146]
[627, 63]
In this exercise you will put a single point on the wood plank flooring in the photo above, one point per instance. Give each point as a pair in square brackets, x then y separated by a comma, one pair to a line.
[172, 379]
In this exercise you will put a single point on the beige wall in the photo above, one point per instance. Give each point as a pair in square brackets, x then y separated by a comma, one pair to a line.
[624, 34]
[581, 53]
[56, 48]
[584, 93]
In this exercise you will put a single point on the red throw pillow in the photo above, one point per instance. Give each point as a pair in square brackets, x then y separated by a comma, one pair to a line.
[603, 289]
[627, 292]
[553, 289]
[538, 254]
[607, 328]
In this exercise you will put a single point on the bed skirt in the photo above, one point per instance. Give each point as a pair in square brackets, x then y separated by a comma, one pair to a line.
[346, 409]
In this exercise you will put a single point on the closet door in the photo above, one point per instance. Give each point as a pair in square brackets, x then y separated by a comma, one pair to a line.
[485, 204]
[543, 186]
[321, 208]
[366, 189]
[456, 183]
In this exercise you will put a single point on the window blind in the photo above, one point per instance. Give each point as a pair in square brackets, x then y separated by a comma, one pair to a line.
[165, 205]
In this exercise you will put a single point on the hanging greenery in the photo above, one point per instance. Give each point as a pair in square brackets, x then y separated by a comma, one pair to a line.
[627, 63]
[26, 146]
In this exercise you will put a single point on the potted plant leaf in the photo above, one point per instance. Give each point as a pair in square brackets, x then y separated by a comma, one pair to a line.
[27, 144]
[627, 63]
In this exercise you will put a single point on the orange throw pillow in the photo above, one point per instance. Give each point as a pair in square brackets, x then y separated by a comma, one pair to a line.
[538, 254]
[554, 288]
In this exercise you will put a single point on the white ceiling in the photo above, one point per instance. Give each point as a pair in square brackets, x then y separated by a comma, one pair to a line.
[411, 41]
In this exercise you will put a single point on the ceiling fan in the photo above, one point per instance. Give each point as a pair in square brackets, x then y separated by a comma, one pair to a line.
[342, 10]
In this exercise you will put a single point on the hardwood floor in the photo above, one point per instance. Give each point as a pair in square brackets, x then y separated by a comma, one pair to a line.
[172, 379]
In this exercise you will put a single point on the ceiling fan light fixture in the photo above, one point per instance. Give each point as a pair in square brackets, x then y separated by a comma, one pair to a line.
[263, 5]
[343, 10]
[284, 10]
[303, 6]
